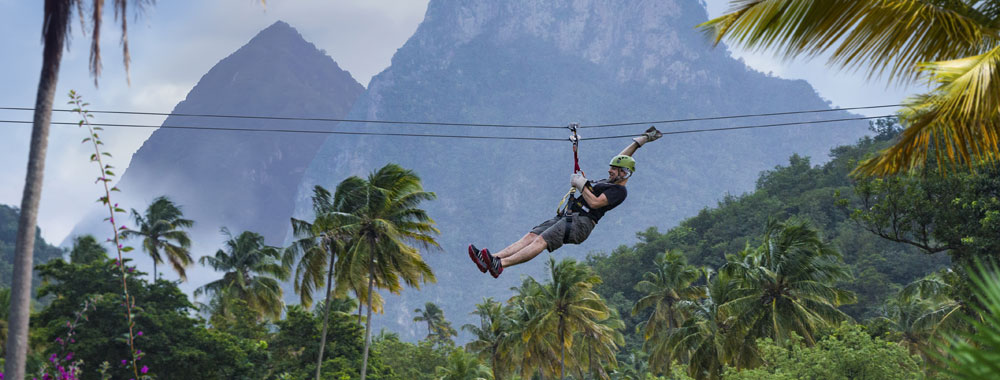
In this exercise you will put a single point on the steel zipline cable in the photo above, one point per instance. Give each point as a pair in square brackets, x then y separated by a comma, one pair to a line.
[747, 127]
[447, 136]
[736, 116]
[431, 123]
[293, 131]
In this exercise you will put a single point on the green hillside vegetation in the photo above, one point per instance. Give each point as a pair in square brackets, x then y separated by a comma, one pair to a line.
[8, 234]
[812, 275]
[823, 197]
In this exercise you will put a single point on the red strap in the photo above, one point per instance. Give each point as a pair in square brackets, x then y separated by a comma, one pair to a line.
[576, 161]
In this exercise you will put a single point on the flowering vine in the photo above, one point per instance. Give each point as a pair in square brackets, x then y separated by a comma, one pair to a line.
[105, 178]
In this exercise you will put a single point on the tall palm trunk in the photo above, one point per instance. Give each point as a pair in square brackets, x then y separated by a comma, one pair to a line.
[154, 271]
[326, 317]
[562, 348]
[57, 17]
[493, 365]
[368, 322]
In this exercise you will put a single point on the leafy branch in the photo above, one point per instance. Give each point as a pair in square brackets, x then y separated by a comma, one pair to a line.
[105, 177]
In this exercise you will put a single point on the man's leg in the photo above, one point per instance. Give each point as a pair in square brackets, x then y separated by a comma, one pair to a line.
[516, 246]
[528, 252]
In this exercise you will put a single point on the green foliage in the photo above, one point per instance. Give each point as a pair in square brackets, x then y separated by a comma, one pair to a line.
[958, 213]
[168, 334]
[823, 196]
[847, 353]
[411, 361]
[489, 334]
[787, 284]
[976, 354]
[439, 330]
[250, 272]
[559, 326]
[463, 366]
[86, 250]
[294, 347]
[8, 237]
[383, 222]
[161, 228]
[670, 284]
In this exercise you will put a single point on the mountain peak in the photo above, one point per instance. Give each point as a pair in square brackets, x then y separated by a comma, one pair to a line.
[281, 36]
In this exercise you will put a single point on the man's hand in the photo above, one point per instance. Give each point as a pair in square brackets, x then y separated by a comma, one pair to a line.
[578, 181]
[651, 134]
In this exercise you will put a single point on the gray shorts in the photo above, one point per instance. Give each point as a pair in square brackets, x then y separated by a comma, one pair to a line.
[554, 230]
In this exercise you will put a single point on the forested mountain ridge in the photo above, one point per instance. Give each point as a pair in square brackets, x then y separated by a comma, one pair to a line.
[552, 63]
[822, 196]
[8, 238]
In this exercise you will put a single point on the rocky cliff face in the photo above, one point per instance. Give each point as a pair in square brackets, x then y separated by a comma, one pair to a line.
[556, 62]
[241, 180]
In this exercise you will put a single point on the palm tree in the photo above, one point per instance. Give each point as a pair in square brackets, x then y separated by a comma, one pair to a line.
[937, 291]
[974, 354]
[904, 316]
[525, 348]
[671, 281]
[707, 340]
[569, 306]
[384, 225]
[162, 231]
[634, 368]
[463, 366]
[251, 271]
[954, 45]
[787, 284]
[595, 349]
[55, 27]
[492, 330]
[317, 246]
[438, 328]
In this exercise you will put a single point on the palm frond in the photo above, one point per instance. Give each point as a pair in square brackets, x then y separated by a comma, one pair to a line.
[883, 37]
[959, 121]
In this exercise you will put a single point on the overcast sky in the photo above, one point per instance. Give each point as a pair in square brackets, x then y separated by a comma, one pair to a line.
[176, 42]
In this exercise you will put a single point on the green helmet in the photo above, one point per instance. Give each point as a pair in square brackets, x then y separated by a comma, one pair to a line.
[623, 161]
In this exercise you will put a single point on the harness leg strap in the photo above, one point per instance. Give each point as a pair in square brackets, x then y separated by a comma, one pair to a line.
[569, 224]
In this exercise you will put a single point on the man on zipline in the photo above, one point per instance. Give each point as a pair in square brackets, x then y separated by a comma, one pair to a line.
[582, 214]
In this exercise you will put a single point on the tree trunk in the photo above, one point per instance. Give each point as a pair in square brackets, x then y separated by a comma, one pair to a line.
[326, 317]
[368, 322]
[493, 365]
[562, 349]
[154, 271]
[56, 19]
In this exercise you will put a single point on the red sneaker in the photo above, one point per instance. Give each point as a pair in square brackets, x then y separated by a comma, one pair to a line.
[477, 258]
[495, 266]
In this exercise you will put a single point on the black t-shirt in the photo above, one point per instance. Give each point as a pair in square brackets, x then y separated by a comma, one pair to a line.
[615, 193]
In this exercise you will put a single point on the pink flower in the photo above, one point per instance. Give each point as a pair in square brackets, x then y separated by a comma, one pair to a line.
[124, 361]
[139, 334]
[145, 369]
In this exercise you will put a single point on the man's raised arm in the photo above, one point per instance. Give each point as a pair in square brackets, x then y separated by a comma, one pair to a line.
[651, 134]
